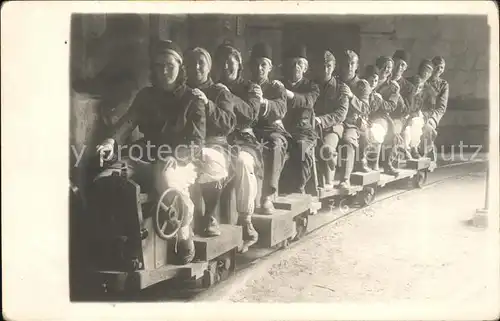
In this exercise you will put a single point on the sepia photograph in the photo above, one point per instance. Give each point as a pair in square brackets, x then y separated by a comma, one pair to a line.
[270, 157]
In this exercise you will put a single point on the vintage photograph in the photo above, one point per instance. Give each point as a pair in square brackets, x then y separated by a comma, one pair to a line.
[279, 157]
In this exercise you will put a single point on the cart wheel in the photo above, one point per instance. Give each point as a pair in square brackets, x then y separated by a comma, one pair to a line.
[367, 195]
[301, 223]
[419, 179]
[169, 214]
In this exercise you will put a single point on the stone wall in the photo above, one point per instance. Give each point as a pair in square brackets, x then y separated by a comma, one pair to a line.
[464, 43]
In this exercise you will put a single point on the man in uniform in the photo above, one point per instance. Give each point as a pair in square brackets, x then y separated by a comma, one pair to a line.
[168, 114]
[330, 110]
[348, 62]
[269, 129]
[220, 122]
[435, 104]
[403, 116]
[248, 160]
[388, 91]
[301, 96]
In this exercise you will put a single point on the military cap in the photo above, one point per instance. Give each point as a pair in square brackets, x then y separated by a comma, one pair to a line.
[261, 50]
[347, 55]
[401, 54]
[438, 60]
[382, 60]
[371, 70]
[296, 51]
[425, 63]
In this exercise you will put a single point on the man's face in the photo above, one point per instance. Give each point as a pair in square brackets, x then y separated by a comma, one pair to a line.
[400, 67]
[439, 69]
[197, 68]
[228, 68]
[426, 72]
[372, 80]
[295, 69]
[348, 69]
[325, 70]
[260, 69]
[166, 70]
[386, 69]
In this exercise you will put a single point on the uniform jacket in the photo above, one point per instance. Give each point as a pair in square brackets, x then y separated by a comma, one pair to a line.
[330, 107]
[435, 98]
[300, 115]
[387, 104]
[221, 119]
[270, 118]
[358, 108]
[171, 118]
[406, 103]
[246, 107]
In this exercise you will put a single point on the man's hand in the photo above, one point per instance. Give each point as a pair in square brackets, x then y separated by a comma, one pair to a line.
[429, 130]
[289, 94]
[394, 87]
[278, 83]
[222, 86]
[200, 95]
[377, 95]
[346, 91]
[257, 91]
[106, 150]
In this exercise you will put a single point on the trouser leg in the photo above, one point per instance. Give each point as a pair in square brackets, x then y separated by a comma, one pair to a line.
[362, 152]
[302, 159]
[351, 142]
[274, 156]
[246, 193]
[213, 173]
[378, 149]
[328, 156]
[350, 157]
[211, 193]
[390, 155]
[246, 183]
[170, 174]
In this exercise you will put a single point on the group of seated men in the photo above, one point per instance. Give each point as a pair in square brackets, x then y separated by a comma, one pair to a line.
[206, 105]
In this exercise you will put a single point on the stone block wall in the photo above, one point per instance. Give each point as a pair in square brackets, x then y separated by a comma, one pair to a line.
[464, 43]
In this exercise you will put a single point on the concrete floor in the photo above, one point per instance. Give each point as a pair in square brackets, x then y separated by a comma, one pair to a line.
[416, 247]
